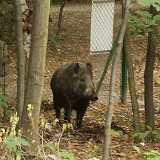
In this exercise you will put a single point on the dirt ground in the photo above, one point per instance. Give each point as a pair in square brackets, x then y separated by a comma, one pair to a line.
[72, 46]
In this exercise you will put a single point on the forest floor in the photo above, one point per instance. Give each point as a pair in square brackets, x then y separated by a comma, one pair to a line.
[72, 46]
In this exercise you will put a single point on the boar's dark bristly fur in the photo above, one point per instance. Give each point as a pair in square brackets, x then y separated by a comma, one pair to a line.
[73, 89]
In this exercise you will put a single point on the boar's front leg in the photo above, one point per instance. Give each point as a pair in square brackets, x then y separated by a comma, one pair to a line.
[80, 114]
[58, 112]
[67, 115]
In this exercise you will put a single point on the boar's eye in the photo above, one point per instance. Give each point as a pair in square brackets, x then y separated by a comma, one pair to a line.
[82, 79]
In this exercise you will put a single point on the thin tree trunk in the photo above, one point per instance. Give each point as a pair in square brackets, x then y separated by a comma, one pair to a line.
[3, 55]
[1, 59]
[35, 77]
[107, 136]
[26, 16]
[148, 76]
[59, 26]
[132, 89]
[20, 60]
[124, 65]
[30, 4]
[124, 76]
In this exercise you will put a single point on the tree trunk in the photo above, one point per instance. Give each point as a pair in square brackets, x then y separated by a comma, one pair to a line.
[35, 77]
[3, 66]
[26, 17]
[30, 4]
[1, 59]
[124, 75]
[148, 76]
[4, 59]
[20, 60]
[59, 26]
[132, 89]
[24, 6]
[107, 136]
[124, 65]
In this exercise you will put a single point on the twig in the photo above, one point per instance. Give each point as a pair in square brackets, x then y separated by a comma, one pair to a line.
[58, 143]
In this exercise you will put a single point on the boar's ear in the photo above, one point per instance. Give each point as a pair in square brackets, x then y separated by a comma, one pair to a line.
[76, 69]
[89, 67]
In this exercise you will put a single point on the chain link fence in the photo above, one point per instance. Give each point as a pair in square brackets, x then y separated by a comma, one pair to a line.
[102, 16]
[85, 30]
[70, 39]
[89, 22]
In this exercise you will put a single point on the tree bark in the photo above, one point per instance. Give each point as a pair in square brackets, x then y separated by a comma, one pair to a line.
[20, 60]
[124, 65]
[35, 77]
[59, 26]
[132, 89]
[107, 136]
[124, 75]
[1, 59]
[3, 66]
[3, 54]
[30, 4]
[148, 76]
[26, 18]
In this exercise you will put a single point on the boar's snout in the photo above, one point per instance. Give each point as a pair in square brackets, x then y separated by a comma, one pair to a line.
[94, 97]
[91, 94]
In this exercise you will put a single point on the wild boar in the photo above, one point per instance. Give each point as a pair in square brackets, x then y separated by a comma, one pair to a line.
[73, 89]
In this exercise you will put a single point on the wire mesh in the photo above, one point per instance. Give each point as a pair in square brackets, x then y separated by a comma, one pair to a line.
[73, 41]
[102, 16]
[89, 23]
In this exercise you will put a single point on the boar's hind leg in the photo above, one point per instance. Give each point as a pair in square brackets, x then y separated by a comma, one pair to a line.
[57, 108]
[80, 114]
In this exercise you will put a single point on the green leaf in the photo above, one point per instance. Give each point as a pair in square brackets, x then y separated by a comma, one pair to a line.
[3, 97]
[67, 155]
[146, 133]
[156, 6]
[149, 30]
[51, 145]
[156, 18]
[20, 141]
[12, 142]
[3, 101]
[147, 2]
[116, 133]
[154, 132]
[157, 152]
[137, 149]
[144, 13]
[144, 2]
[9, 112]
[18, 155]
[152, 155]
[148, 127]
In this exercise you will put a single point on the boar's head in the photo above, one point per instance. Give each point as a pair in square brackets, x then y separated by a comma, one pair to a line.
[82, 81]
